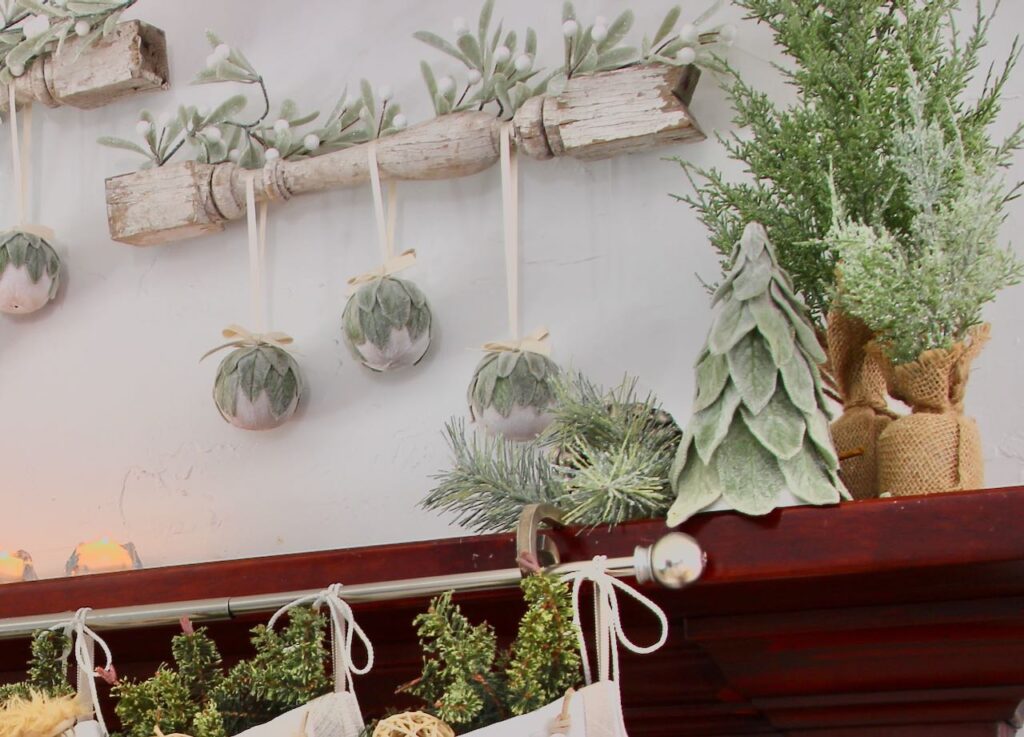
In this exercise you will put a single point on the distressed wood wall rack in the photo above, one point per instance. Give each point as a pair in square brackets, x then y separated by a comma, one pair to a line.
[883, 618]
[132, 60]
[596, 116]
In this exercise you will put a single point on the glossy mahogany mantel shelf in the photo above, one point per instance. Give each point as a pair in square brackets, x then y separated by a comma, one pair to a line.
[886, 618]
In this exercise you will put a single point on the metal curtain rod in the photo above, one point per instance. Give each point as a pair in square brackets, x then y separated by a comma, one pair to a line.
[674, 561]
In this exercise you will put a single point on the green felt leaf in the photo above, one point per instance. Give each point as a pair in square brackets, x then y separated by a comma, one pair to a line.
[114, 142]
[245, 372]
[710, 426]
[225, 392]
[350, 323]
[502, 398]
[366, 295]
[799, 382]
[432, 39]
[420, 321]
[524, 384]
[617, 31]
[753, 371]
[35, 262]
[732, 323]
[807, 479]
[667, 26]
[779, 426]
[696, 485]
[537, 364]
[506, 363]
[419, 299]
[394, 302]
[712, 375]
[774, 326]
[821, 437]
[805, 334]
[376, 327]
[754, 279]
[279, 358]
[749, 474]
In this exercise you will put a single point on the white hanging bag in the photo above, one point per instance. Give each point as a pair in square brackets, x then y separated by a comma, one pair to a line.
[596, 710]
[336, 714]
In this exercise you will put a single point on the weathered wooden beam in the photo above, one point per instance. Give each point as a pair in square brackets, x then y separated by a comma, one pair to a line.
[132, 59]
[598, 116]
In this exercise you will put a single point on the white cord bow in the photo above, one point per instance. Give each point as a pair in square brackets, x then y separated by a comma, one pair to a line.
[83, 641]
[607, 620]
[344, 629]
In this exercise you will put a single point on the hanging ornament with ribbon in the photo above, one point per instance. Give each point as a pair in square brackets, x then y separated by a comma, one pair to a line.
[387, 320]
[258, 384]
[29, 267]
[511, 393]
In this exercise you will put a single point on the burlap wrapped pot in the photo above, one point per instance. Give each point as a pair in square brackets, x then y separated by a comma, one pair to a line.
[935, 449]
[861, 382]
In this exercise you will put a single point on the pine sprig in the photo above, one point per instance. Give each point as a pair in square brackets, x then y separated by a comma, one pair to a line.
[47, 671]
[491, 480]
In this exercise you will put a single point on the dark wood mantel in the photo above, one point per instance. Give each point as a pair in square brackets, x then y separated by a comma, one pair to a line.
[887, 618]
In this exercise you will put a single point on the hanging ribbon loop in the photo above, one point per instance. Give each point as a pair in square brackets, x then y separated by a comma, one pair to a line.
[535, 342]
[607, 619]
[386, 216]
[82, 640]
[239, 337]
[510, 211]
[344, 630]
[21, 159]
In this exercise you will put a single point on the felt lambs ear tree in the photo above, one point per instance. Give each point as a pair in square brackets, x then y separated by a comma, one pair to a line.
[387, 320]
[760, 426]
[511, 392]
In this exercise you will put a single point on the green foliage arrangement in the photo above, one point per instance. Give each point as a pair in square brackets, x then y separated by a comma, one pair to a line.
[469, 683]
[47, 672]
[761, 418]
[496, 72]
[216, 136]
[604, 459]
[197, 696]
[855, 65]
[37, 28]
[947, 265]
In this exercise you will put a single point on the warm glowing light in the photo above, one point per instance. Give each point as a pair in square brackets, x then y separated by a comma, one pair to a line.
[102, 556]
[15, 567]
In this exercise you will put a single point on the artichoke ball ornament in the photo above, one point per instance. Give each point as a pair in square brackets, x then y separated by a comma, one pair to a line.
[30, 268]
[387, 321]
[258, 384]
[512, 392]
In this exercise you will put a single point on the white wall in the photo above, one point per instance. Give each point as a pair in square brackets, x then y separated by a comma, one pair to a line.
[107, 426]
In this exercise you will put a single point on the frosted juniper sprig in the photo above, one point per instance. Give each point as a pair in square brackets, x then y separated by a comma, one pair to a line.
[497, 72]
[925, 288]
[35, 28]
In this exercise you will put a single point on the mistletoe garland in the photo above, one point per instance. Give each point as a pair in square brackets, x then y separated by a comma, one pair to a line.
[218, 135]
[36, 28]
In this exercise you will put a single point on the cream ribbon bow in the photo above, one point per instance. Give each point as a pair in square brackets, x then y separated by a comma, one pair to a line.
[239, 337]
[391, 266]
[535, 342]
[607, 620]
[21, 157]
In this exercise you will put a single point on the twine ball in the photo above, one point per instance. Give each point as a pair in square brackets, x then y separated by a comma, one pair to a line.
[412, 724]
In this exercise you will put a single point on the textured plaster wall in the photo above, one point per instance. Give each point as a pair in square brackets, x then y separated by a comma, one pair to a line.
[106, 421]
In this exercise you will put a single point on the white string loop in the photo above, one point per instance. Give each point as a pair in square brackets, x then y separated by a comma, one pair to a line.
[607, 619]
[510, 210]
[344, 630]
[83, 641]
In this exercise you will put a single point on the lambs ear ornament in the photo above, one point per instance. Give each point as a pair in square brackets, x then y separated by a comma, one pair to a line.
[387, 324]
[29, 272]
[511, 393]
[257, 387]
[760, 426]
